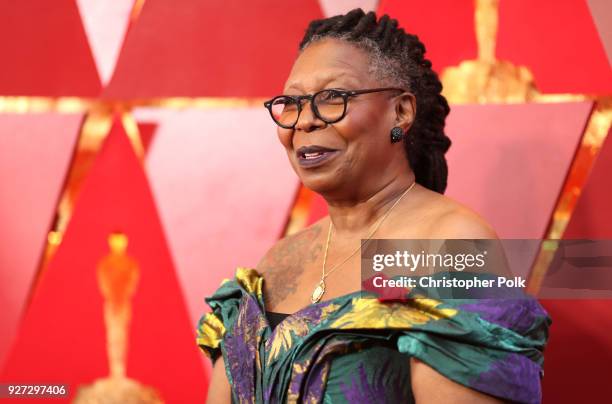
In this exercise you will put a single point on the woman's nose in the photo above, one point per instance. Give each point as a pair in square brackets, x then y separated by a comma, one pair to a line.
[308, 121]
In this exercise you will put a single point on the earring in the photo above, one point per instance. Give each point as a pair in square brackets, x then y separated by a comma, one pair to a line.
[397, 134]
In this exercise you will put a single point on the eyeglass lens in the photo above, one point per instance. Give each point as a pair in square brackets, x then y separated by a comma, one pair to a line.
[330, 107]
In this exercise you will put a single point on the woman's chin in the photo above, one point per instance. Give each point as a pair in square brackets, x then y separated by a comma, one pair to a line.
[321, 178]
[321, 183]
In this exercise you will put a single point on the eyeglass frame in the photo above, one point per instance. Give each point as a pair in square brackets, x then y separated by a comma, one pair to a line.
[346, 94]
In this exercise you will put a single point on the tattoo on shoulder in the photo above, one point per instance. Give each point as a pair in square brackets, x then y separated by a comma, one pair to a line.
[285, 262]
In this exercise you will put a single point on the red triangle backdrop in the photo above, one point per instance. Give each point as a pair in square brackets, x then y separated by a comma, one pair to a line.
[62, 337]
[211, 48]
[44, 50]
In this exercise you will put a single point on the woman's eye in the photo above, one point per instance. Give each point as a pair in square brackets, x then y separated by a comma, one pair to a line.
[284, 103]
[331, 96]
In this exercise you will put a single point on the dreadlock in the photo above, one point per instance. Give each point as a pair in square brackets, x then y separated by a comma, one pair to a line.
[398, 58]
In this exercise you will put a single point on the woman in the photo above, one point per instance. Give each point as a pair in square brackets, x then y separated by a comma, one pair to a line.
[362, 120]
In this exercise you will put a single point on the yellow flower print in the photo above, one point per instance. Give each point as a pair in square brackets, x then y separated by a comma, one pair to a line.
[250, 280]
[210, 331]
[371, 313]
[297, 326]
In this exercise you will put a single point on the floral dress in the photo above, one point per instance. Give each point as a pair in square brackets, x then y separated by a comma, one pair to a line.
[356, 348]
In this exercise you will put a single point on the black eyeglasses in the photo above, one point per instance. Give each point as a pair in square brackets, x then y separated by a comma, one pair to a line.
[328, 105]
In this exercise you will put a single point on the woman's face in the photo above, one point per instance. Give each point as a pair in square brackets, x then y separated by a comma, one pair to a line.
[354, 154]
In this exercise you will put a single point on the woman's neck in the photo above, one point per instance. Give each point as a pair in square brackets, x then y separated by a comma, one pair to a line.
[358, 214]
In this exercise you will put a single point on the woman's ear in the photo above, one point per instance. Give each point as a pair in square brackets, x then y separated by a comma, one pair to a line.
[405, 110]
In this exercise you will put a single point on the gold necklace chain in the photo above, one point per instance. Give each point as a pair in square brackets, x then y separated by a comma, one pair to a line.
[319, 290]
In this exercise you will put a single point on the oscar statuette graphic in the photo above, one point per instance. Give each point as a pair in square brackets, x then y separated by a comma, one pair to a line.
[487, 79]
[118, 276]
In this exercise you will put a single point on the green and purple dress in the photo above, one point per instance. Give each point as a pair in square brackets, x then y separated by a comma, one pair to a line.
[356, 348]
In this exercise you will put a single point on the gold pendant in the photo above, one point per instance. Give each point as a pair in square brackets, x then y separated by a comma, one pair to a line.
[318, 292]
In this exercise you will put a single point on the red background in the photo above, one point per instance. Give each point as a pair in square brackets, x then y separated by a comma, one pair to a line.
[213, 190]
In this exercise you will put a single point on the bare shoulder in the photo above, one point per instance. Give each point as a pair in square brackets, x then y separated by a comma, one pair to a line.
[454, 220]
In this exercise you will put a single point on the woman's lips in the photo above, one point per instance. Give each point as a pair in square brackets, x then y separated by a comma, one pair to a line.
[316, 160]
[314, 156]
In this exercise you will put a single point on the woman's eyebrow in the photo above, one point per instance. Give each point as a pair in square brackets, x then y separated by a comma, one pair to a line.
[324, 81]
